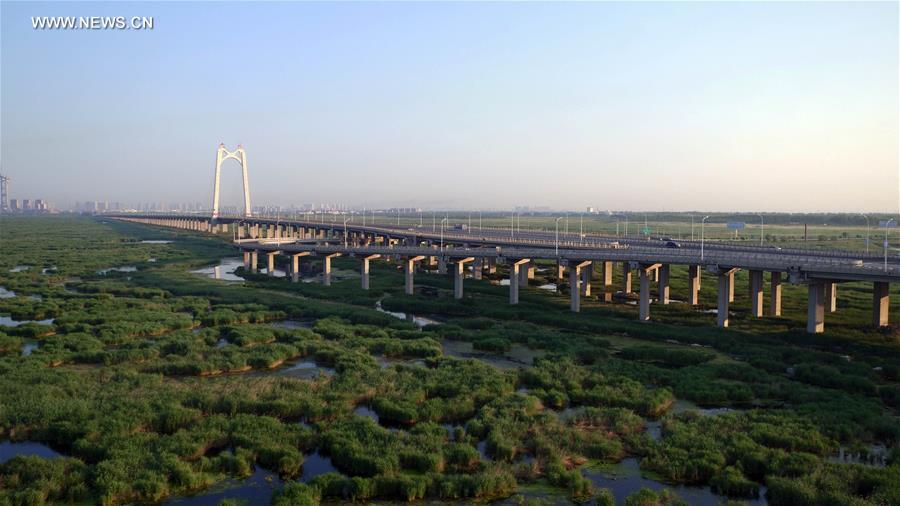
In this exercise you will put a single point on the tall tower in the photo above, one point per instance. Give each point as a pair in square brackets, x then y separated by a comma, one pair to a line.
[240, 155]
[4, 194]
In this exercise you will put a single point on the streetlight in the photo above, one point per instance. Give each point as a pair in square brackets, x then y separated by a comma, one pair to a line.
[581, 226]
[398, 216]
[692, 227]
[557, 235]
[345, 229]
[470, 221]
[867, 232]
[420, 219]
[479, 221]
[701, 236]
[567, 224]
[762, 228]
[887, 224]
[442, 233]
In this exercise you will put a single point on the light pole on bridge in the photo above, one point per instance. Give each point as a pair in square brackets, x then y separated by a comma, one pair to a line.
[557, 236]
[887, 225]
[345, 229]
[443, 220]
[762, 228]
[701, 236]
[867, 232]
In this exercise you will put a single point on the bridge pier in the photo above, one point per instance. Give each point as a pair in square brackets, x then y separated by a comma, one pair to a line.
[295, 265]
[246, 260]
[560, 271]
[626, 274]
[731, 285]
[775, 308]
[726, 289]
[756, 293]
[663, 271]
[326, 268]
[409, 268]
[576, 284]
[442, 265]
[830, 296]
[880, 303]
[514, 268]
[523, 274]
[815, 310]
[365, 270]
[644, 272]
[586, 275]
[607, 274]
[478, 268]
[270, 262]
[459, 270]
[693, 285]
[254, 259]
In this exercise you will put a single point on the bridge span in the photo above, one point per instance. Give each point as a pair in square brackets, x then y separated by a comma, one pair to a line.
[821, 271]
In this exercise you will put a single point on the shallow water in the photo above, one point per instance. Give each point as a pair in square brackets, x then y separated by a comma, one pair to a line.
[29, 345]
[9, 322]
[518, 356]
[419, 321]
[625, 478]
[315, 464]
[6, 294]
[8, 450]
[258, 488]
[305, 369]
[224, 271]
[293, 324]
[124, 268]
[366, 411]
[156, 241]
[551, 287]
[20, 268]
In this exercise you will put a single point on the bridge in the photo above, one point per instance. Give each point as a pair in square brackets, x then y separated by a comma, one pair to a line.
[579, 254]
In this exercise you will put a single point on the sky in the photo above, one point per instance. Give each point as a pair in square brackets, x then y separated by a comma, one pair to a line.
[725, 106]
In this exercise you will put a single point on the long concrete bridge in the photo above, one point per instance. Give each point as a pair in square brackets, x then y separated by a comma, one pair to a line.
[580, 255]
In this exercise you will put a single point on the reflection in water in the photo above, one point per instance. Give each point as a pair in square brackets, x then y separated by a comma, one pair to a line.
[305, 369]
[20, 268]
[551, 287]
[9, 450]
[6, 294]
[156, 241]
[365, 411]
[29, 345]
[419, 321]
[293, 324]
[625, 478]
[518, 356]
[224, 271]
[9, 322]
[125, 268]
[314, 465]
[258, 488]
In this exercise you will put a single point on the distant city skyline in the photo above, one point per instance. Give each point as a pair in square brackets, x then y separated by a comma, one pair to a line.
[731, 107]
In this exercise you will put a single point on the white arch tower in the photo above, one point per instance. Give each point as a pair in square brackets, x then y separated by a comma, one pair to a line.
[240, 155]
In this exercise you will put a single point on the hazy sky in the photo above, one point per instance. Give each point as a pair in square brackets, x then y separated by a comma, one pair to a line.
[653, 106]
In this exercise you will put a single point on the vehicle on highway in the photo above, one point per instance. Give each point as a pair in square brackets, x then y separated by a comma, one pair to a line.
[672, 244]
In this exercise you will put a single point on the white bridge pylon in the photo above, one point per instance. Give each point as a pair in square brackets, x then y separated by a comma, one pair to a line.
[240, 155]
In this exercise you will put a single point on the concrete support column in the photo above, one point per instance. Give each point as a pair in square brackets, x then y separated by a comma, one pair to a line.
[409, 268]
[663, 284]
[731, 286]
[578, 274]
[726, 279]
[270, 262]
[693, 285]
[523, 274]
[560, 271]
[644, 304]
[459, 270]
[756, 293]
[607, 274]
[514, 269]
[586, 272]
[775, 307]
[880, 303]
[295, 265]
[246, 260]
[815, 308]
[492, 265]
[254, 259]
[365, 270]
[326, 268]
[531, 270]
[830, 297]
[478, 268]
[626, 274]
[442, 265]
